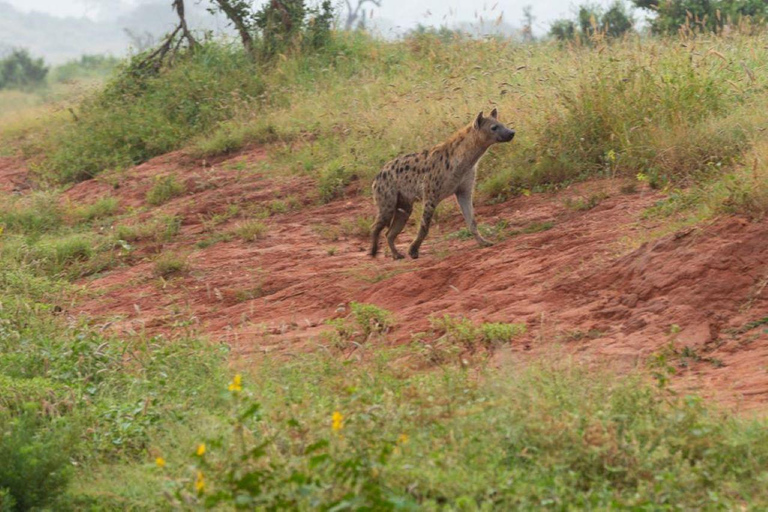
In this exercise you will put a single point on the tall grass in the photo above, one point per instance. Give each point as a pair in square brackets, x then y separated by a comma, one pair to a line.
[673, 112]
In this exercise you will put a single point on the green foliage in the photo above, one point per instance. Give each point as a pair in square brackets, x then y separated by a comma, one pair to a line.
[86, 67]
[35, 454]
[164, 189]
[19, 70]
[592, 21]
[363, 321]
[370, 318]
[251, 230]
[141, 115]
[332, 182]
[463, 333]
[161, 228]
[34, 214]
[291, 24]
[169, 264]
[692, 16]
[321, 433]
[102, 208]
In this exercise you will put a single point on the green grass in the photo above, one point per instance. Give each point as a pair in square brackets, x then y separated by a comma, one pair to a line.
[648, 106]
[429, 424]
[553, 435]
[251, 230]
[164, 189]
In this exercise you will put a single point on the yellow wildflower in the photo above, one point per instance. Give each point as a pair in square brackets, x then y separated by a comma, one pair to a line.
[200, 482]
[200, 449]
[160, 462]
[402, 439]
[236, 384]
[337, 421]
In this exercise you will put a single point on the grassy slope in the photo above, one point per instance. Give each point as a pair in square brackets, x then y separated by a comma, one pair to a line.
[549, 435]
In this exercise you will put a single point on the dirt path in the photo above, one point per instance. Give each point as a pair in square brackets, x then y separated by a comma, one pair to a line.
[584, 284]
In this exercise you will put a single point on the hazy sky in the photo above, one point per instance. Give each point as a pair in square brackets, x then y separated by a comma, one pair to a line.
[402, 12]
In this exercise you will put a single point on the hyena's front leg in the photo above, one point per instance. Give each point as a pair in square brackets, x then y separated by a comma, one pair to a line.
[426, 219]
[464, 198]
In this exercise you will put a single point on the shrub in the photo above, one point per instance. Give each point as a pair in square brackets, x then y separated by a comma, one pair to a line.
[32, 215]
[164, 189]
[370, 318]
[251, 230]
[20, 71]
[35, 455]
[87, 66]
[138, 116]
[169, 264]
[161, 228]
[104, 207]
[332, 182]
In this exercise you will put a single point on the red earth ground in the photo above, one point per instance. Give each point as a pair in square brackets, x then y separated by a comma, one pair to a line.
[590, 285]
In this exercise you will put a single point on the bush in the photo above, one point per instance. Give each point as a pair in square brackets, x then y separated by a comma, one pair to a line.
[251, 230]
[138, 115]
[164, 189]
[35, 455]
[87, 66]
[169, 264]
[32, 215]
[20, 71]
[693, 16]
[332, 182]
[592, 21]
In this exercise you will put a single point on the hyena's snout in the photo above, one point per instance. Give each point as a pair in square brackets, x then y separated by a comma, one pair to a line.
[507, 135]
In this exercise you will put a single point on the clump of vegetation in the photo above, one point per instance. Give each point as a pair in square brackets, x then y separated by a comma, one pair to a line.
[169, 264]
[694, 16]
[160, 228]
[593, 23]
[34, 214]
[18, 70]
[251, 230]
[585, 203]
[36, 459]
[332, 182]
[102, 208]
[363, 321]
[164, 189]
[453, 339]
[86, 67]
[548, 433]
[358, 226]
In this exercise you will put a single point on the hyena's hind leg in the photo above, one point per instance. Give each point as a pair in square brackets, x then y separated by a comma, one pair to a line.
[402, 213]
[386, 201]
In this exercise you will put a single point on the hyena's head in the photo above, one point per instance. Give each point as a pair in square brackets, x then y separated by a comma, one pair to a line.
[490, 130]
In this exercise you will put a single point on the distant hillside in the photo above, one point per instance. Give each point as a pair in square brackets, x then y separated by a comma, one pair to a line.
[61, 39]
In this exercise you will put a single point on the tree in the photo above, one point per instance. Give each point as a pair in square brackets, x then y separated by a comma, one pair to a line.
[563, 30]
[672, 16]
[154, 60]
[616, 21]
[591, 21]
[20, 71]
[528, 19]
[356, 15]
[239, 14]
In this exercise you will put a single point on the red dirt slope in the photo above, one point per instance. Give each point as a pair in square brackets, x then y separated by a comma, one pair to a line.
[583, 284]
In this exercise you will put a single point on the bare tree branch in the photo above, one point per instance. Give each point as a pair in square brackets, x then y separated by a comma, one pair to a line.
[236, 15]
[353, 14]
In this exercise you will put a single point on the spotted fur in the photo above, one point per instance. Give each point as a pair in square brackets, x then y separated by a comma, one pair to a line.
[430, 176]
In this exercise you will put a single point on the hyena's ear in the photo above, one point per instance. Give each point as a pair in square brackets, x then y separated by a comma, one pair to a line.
[494, 114]
[478, 120]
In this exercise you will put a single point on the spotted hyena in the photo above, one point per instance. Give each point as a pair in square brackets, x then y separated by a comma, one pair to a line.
[431, 176]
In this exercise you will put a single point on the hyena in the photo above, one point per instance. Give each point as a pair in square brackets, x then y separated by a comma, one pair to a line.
[431, 176]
